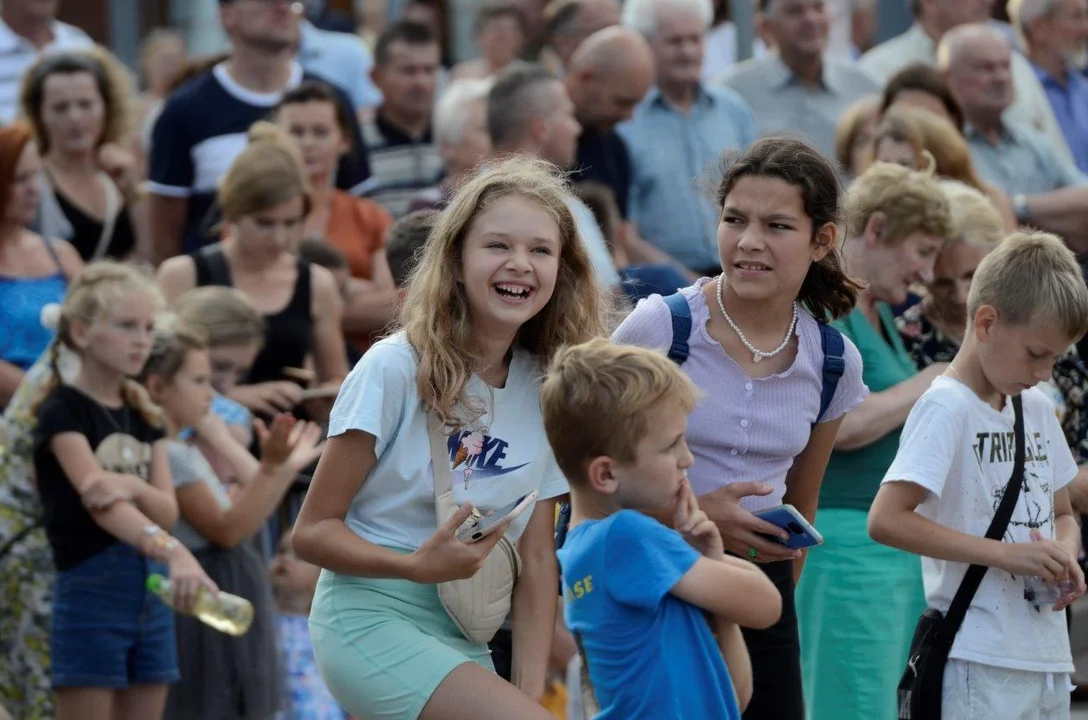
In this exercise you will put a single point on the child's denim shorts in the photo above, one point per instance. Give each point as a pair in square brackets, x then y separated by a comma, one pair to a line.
[108, 630]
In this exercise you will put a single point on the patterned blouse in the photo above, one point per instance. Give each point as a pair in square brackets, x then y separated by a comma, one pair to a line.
[928, 344]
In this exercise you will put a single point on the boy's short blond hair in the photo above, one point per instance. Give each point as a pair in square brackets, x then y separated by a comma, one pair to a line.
[1032, 276]
[598, 399]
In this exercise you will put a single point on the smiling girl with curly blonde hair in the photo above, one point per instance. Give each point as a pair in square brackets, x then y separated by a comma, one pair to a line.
[503, 283]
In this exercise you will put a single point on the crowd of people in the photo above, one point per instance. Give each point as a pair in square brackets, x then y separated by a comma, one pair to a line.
[282, 321]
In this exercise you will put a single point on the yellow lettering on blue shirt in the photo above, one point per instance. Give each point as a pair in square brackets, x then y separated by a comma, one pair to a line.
[579, 588]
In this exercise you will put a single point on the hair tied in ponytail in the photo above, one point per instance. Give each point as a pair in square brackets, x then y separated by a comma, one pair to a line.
[166, 323]
[50, 316]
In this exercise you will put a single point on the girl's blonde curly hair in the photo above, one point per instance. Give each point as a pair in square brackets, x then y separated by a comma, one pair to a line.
[88, 300]
[435, 314]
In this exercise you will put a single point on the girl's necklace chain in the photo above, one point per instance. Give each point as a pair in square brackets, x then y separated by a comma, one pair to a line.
[757, 354]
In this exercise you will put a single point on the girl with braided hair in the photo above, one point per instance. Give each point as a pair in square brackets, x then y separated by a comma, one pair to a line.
[106, 492]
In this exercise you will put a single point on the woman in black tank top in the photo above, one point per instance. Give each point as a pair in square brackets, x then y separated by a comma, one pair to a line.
[264, 203]
[288, 334]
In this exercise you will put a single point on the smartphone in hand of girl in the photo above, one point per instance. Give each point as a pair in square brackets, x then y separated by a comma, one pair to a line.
[107, 495]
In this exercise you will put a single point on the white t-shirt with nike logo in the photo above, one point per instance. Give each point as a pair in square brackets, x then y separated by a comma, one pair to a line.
[493, 461]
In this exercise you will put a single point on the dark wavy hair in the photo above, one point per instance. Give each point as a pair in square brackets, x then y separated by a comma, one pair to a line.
[925, 79]
[827, 291]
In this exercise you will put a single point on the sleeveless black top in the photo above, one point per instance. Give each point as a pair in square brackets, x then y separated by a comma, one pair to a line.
[288, 335]
[87, 231]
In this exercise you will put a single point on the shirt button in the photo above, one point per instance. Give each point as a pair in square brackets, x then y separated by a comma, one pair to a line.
[733, 451]
[744, 423]
[748, 386]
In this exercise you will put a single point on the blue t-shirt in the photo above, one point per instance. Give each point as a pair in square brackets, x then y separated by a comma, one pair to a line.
[650, 654]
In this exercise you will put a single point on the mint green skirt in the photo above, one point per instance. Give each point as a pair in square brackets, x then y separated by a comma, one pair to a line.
[857, 605]
[383, 646]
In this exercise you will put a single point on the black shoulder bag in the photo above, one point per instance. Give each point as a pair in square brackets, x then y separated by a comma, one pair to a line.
[920, 689]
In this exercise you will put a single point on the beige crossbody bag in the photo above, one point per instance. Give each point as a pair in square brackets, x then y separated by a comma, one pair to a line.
[480, 604]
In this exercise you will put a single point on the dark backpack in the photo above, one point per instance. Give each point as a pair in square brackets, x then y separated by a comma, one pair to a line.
[830, 339]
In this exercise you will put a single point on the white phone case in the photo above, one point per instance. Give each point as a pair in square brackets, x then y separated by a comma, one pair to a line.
[473, 532]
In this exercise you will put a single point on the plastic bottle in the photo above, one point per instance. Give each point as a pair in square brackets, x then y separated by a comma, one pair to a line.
[226, 613]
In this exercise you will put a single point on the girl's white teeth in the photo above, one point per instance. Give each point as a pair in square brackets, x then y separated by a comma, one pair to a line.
[751, 266]
[514, 290]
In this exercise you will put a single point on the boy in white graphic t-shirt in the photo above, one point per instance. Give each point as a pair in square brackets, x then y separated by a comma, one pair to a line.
[1028, 303]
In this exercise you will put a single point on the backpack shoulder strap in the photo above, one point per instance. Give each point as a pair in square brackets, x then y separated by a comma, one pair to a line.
[834, 364]
[681, 327]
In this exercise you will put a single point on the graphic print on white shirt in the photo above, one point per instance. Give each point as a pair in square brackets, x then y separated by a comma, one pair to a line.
[962, 451]
[493, 461]
[998, 447]
[476, 456]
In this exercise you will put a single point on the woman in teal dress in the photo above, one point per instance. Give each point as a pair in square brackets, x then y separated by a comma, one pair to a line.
[858, 601]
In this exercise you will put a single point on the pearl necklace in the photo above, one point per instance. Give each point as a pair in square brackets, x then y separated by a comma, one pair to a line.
[757, 354]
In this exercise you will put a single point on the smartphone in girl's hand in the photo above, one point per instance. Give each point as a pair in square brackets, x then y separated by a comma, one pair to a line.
[787, 517]
[480, 527]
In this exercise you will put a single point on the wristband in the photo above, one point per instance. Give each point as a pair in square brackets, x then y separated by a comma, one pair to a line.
[157, 543]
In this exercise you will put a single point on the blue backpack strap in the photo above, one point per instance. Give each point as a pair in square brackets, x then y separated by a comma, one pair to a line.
[834, 364]
[681, 327]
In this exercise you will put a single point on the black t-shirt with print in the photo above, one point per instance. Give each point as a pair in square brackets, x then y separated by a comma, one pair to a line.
[121, 440]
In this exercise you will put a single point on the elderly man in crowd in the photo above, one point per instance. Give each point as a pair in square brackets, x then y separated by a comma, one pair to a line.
[608, 77]
[1055, 36]
[1047, 190]
[460, 132]
[403, 156]
[677, 137]
[529, 111]
[934, 18]
[798, 90]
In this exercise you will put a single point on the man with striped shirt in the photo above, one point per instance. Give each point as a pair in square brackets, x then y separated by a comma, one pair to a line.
[27, 29]
[403, 156]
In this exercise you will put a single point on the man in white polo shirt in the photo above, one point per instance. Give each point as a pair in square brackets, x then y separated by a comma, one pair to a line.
[27, 29]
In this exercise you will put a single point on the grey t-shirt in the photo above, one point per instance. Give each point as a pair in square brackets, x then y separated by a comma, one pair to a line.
[187, 466]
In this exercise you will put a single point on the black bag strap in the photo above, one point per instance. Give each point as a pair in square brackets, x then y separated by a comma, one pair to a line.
[957, 611]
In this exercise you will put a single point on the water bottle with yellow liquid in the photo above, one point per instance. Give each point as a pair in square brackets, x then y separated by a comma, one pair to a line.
[226, 613]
